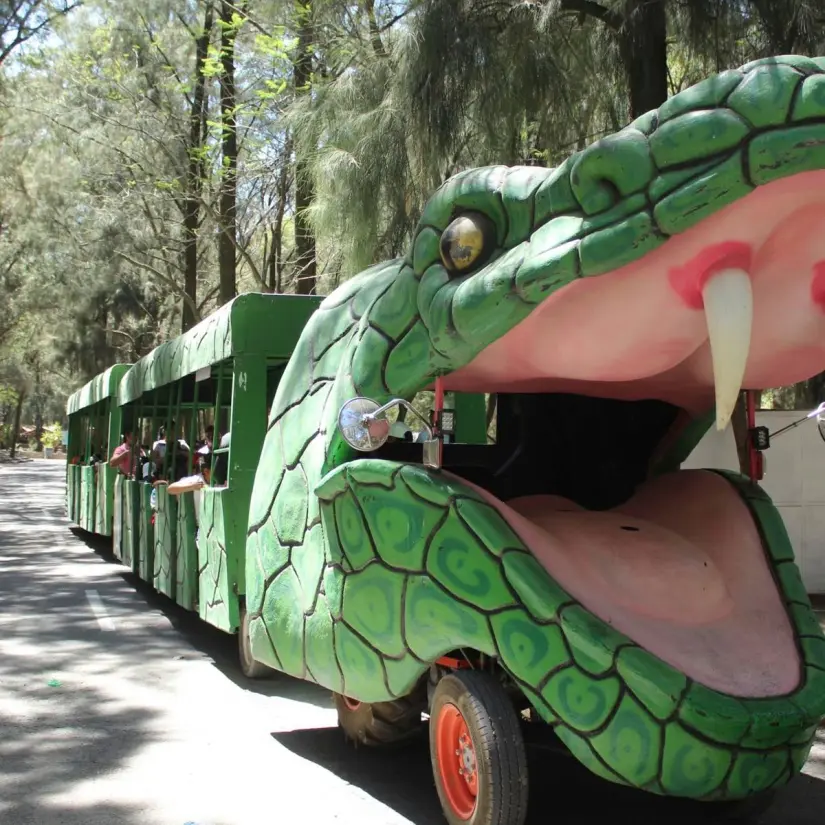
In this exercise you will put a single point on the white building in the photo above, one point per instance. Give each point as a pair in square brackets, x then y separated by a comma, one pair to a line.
[794, 479]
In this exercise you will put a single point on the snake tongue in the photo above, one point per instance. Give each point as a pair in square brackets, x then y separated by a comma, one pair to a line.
[728, 301]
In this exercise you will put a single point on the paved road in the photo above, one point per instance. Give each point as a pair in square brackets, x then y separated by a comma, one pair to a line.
[138, 715]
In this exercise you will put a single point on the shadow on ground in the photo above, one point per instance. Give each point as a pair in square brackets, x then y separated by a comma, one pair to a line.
[403, 781]
[219, 647]
[43, 755]
[63, 723]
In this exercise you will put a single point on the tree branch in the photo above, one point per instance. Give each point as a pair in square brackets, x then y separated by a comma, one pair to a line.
[607, 16]
[165, 279]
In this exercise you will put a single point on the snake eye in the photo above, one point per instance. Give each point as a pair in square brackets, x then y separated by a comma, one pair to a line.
[467, 241]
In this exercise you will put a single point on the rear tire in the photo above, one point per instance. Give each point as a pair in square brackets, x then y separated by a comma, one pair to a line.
[477, 750]
[380, 724]
[251, 668]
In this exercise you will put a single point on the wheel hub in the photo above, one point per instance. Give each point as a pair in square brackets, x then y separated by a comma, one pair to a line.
[466, 757]
[457, 763]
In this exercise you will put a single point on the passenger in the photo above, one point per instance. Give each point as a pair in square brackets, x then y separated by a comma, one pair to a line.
[181, 452]
[194, 483]
[125, 458]
[148, 468]
[159, 446]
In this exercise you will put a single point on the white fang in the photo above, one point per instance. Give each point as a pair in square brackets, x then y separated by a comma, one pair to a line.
[728, 300]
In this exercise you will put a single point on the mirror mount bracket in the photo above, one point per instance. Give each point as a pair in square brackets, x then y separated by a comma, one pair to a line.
[759, 437]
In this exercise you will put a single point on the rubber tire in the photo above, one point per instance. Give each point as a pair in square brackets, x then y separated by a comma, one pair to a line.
[381, 724]
[501, 756]
[251, 668]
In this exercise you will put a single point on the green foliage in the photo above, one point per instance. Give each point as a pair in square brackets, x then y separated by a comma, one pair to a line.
[52, 435]
[97, 143]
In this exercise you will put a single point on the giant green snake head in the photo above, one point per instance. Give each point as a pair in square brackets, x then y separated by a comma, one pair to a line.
[656, 620]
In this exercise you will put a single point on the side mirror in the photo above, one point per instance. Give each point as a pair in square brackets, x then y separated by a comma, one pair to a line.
[354, 422]
[364, 429]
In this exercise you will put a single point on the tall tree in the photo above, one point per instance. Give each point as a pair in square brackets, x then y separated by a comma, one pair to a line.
[305, 248]
[191, 201]
[230, 20]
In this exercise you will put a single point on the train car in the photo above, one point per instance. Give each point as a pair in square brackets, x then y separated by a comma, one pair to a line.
[94, 432]
[567, 575]
[222, 373]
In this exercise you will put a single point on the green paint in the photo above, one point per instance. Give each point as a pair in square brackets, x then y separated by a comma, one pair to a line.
[241, 326]
[129, 546]
[88, 494]
[117, 517]
[146, 534]
[101, 387]
[217, 598]
[186, 554]
[165, 554]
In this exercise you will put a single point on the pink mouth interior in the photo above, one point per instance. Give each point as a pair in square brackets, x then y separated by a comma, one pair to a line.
[680, 570]
[679, 567]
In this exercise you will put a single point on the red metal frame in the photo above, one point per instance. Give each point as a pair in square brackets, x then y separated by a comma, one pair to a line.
[754, 455]
[438, 406]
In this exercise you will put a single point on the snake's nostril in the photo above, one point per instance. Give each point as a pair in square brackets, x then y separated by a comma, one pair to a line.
[612, 169]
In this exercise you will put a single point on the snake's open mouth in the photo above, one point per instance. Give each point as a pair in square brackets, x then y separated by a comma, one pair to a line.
[593, 387]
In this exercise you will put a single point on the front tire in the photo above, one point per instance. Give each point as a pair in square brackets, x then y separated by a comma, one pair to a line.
[379, 724]
[477, 750]
[250, 667]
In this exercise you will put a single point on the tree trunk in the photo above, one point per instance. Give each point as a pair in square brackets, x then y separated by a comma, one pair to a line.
[229, 171]
[18, 410]
[306, 269]
[643, 47]
[191, 206]
[375, 31]
[274, 265]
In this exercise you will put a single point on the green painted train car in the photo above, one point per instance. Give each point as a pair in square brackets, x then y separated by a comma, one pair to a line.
[222, 372]
[94, 432]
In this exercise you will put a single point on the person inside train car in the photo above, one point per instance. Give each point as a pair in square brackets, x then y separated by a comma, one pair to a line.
[194, 483]
[126, 456]
[181, 454]
[158, 450]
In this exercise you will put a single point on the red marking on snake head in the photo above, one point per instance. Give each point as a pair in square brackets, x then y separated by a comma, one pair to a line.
[818, 285]
[689, 280]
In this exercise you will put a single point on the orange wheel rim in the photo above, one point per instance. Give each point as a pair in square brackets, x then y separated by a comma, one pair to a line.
[457, 766]
[351, 704]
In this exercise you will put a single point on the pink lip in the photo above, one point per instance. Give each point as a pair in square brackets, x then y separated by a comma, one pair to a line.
[689, 280]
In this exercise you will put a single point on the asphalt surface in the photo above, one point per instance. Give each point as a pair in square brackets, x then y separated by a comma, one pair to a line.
[118, 708]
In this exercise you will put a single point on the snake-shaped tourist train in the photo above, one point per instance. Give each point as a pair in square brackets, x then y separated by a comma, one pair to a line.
[570, 574]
